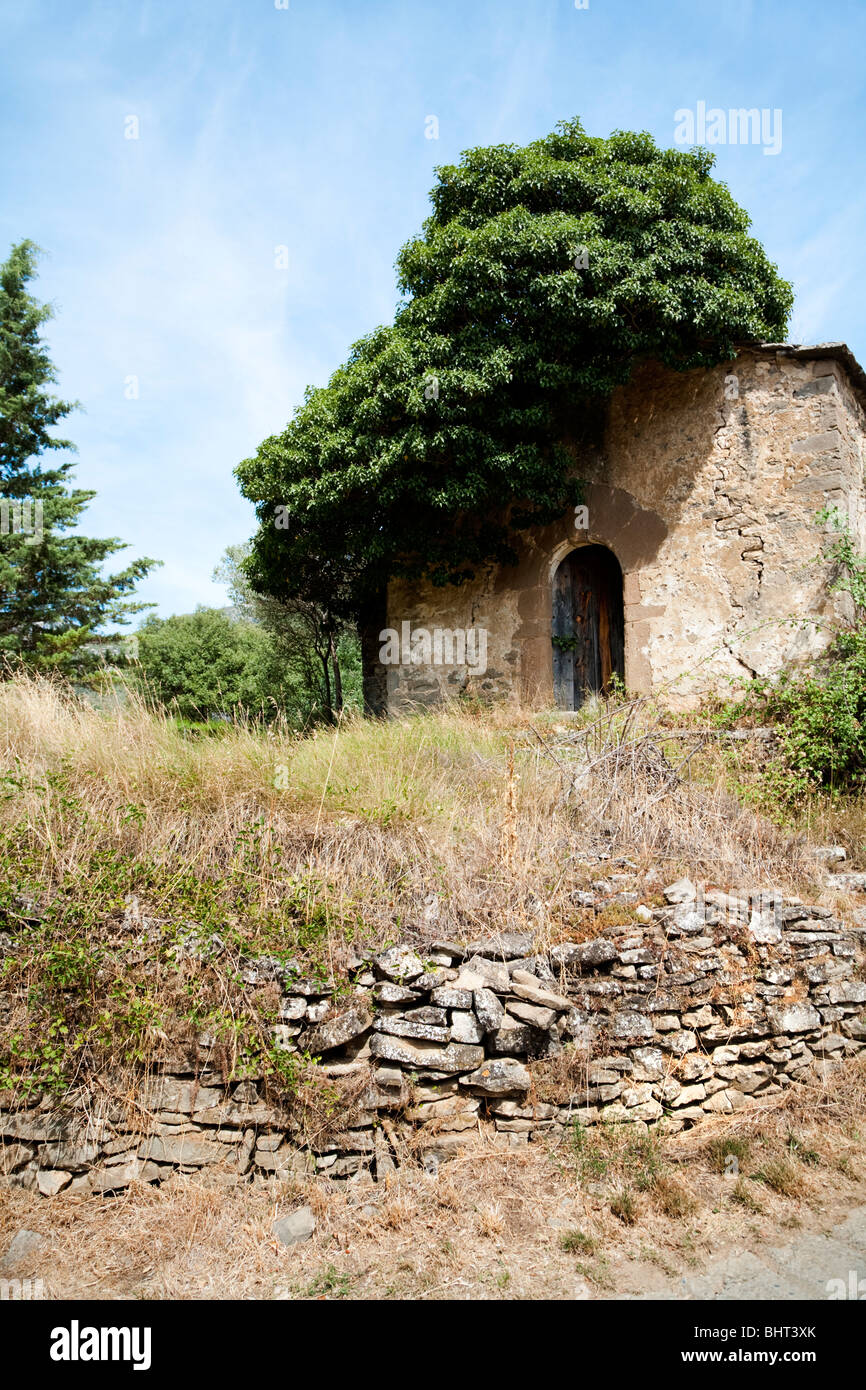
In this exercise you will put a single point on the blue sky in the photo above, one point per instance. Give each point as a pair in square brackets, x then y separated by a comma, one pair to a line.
[306, 128]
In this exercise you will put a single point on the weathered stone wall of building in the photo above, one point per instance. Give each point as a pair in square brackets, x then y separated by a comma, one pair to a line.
[708, 1005]
[706, 490]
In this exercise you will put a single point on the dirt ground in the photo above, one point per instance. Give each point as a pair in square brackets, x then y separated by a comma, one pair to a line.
[611, 1217]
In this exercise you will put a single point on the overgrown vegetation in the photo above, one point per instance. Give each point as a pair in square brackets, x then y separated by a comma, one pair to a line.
[210, 666]
[91, 983]
[818, 715]
[146, 875]
[165, 865]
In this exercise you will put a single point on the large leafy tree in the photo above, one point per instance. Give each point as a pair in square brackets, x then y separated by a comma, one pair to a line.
[542, 276]
[53, 594]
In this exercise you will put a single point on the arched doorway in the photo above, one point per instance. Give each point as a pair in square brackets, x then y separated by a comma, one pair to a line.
[588, 625]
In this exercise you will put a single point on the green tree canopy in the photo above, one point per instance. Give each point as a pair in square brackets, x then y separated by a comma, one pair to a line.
[205, 663]
[317, 651]
[542, 276]
[53, 595]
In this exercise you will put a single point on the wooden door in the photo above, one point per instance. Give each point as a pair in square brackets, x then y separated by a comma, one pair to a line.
[588, 627]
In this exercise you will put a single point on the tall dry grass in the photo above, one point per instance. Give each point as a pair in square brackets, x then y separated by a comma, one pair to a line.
[459, 819]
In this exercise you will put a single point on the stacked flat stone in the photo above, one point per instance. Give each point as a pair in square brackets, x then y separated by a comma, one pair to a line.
[705, 1006]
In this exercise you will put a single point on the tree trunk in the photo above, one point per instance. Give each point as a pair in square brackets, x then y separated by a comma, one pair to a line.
[338, 678]
[329, 710]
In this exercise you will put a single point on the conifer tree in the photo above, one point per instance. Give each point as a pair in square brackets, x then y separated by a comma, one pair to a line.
[53, 594]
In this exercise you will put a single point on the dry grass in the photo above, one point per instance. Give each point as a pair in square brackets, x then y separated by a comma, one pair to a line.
[442, 824]
[456, 823]
[673, 1197]
[457, 820]
[493, 1224]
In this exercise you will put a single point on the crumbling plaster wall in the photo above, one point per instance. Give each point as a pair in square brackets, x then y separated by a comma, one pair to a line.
[706, 489]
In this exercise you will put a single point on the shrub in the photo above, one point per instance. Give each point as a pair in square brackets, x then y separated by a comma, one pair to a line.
[205, 665]
[819, 716]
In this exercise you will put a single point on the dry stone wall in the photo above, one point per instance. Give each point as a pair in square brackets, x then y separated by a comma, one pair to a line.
[707, 1005]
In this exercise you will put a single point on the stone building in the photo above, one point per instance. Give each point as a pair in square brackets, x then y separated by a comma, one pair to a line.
[694, 562]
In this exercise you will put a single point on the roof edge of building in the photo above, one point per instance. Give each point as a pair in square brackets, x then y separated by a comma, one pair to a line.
[817, 352]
